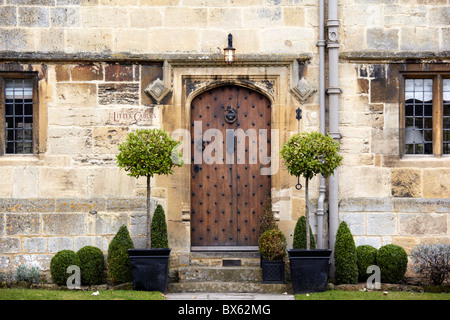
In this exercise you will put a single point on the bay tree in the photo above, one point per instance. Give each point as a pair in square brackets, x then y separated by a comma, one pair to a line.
[307, 154]
[148, 152]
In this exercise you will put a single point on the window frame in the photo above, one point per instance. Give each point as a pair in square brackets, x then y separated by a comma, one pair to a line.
[433, 72]
[12, 76]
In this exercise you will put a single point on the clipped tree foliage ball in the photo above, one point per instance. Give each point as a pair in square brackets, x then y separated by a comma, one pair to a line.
[92, 265]
[366, 256]
[300, 235]
[345, 256]
[272, 245]
[158, 235]
[59, 264]
[393, 261]
[118, 263]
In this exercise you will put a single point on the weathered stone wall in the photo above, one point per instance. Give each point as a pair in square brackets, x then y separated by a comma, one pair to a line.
[87, 108]
[73, 194]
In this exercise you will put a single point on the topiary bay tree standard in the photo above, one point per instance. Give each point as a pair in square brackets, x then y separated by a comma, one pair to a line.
[145, 153]
[308, 154]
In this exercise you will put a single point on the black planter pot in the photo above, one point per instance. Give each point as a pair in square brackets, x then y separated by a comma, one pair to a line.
[272, 271]
[149, 269]
[309, 269]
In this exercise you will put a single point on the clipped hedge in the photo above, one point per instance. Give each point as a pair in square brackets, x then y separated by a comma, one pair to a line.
[272, 245]
[345, 256]
[366, 256]
[393, 261]
[158, 229]
[59, 264]
[92, 265]
[300, 235]
[118, 263]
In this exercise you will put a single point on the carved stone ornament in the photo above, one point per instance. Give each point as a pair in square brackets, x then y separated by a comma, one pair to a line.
[157, 90]
[303, 90]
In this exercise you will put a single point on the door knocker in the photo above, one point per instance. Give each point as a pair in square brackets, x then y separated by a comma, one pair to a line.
[230, 115]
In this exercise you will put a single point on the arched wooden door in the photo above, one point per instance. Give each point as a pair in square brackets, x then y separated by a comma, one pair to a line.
[230, 143]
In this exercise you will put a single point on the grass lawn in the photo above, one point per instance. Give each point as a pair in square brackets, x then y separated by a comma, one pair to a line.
[372, 295]
[40, 294]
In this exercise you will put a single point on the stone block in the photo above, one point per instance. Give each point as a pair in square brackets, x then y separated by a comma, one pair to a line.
[25, 182]
[445, 43]
[421, 224]
[366, 205]
[142, 17]
[174, 40]
[36, 17]
[418, 39]
[17, 39]
[65, 17]
[8, 16]
[406, 183]
[76, 94]
[382, 39]
[415, 205]
[56, 244]
[371, 241]
[107, 139]
[118, 93]
[80, 242]
[6, 181]
[50, 39]
[80, 205]
[87, 72]
[262, 17]
[103, 17]
[372, 182]
[69, 140]
[355, 221]
[406, 243]
[64, 224]
[126, 204]
[298, 208]
[92, 40]
[34, 245]
[381, 224]
[294, 16]
[119, 72]
[107, 182]
[131, 40]
[58, 182]
[62, 72]
[439, 16]
[435, 183]
[110, 223]
[185, 17]
[27, 205]
[22, 224]
[218, 17]
[9, 245]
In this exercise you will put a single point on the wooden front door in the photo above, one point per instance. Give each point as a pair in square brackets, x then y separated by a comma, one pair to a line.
[230, 143]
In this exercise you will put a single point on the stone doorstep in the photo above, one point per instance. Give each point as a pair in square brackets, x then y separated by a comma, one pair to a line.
[225, 274]
[229, 287]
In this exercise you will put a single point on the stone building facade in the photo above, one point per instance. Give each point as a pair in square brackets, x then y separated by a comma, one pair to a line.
[88, 72]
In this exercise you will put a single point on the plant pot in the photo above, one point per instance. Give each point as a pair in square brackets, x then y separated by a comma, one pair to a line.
[149, 269]
[309, 269]
[272, 271]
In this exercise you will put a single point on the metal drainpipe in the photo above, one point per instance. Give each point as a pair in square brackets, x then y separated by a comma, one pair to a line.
[333, 99]
[322, 187]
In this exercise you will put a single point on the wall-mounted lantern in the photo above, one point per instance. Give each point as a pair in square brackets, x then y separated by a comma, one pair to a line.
[229, 52]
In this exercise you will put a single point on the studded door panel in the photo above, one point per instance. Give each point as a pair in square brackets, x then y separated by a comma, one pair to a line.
[227, 191]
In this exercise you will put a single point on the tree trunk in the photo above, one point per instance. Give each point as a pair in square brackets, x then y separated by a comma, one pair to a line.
[308, 235]
[149, 218]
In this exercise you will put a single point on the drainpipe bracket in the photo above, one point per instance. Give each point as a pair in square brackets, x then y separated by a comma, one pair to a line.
[335, 135]
[334, 90]
[321, 43]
